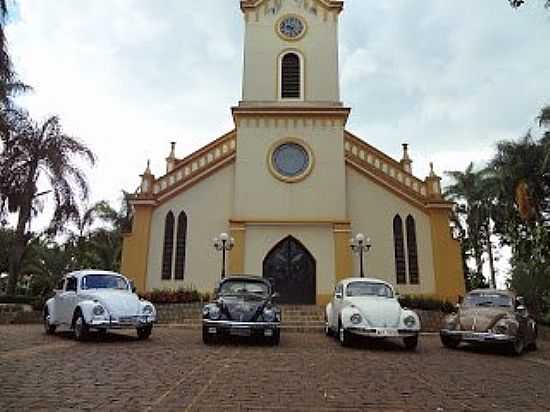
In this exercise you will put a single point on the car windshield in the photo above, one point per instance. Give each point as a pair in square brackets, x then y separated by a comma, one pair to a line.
[488, 299]
[369, 289]
[233, 287]
[104, 282]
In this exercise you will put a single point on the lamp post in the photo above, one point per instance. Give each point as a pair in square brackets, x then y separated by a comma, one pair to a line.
[223, 243]
[359, 245]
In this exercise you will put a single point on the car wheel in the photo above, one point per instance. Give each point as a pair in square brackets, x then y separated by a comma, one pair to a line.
[517, 346]
[449, 342]
[328, 331]
[206, 339]
[48, 327]
[81, 328]
[344, 336]
[410, 342]
[144, 332]
[276, 338]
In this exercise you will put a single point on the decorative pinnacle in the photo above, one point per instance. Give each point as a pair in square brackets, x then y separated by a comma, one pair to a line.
[172, 154]
[432, 173]
[406, 151]
[148, 168]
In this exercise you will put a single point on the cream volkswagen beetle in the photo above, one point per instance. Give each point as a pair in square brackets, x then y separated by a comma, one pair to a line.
[97, 300]
[368, 307]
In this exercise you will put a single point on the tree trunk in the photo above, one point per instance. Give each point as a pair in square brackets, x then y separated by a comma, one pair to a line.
[491, 258]
[19, 245]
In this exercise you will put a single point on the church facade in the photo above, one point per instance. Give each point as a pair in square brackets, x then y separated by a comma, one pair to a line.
[290, 184]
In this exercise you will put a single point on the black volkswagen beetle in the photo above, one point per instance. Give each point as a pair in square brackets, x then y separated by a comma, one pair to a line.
[242, 306]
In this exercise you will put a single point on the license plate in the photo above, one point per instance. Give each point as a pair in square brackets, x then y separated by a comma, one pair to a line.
[268, 332]
[470, 336]
[387, 332]
[240, 332]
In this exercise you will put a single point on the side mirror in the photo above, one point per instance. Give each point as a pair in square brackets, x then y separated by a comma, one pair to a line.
[521, 300]
[133, 286]
[338, 295]
[457, 306]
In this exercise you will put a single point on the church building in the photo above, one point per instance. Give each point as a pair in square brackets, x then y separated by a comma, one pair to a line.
[290, 185]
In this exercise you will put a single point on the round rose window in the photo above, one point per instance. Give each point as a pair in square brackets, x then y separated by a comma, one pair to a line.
[290, 160]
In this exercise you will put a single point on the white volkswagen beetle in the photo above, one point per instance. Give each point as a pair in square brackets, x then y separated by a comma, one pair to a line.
[368, 307]
[94, 299]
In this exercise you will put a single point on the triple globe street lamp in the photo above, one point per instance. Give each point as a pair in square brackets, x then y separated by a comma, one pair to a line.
[223, 243]
[360, 245]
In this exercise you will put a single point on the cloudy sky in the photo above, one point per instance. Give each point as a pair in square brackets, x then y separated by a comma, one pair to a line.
[129, 76]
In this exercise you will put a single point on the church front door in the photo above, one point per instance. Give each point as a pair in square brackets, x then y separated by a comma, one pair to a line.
[291, 270]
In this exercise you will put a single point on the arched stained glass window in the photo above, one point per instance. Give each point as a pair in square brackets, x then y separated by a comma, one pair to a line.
[399, 250]
[291, 76]
[412, 250]
[181, 245]
[168, 248]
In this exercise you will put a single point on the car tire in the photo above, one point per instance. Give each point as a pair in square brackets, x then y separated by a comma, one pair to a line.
[49, 329]
[410, 342]
[516, 347]
[276, 338]
[80, 327]
[206, 338]
[144, 332]
[344, 337]
[328, 331]
[449, 342]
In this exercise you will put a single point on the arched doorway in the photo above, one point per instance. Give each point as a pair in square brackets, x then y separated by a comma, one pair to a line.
[291, 269]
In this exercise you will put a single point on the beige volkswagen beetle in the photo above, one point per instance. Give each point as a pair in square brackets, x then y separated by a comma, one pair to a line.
[491, 316]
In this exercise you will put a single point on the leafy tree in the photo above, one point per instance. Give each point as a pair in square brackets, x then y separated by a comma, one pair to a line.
[518, 3]
[33, 151]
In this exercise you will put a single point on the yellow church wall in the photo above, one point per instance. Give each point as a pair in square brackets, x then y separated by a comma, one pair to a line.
[317, 238]
[134, 261]
[371, 211]
[208, 207]
[263, 47]
[260, 195]
[449, 274]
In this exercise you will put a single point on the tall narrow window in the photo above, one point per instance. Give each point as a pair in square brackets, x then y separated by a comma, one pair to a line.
[168, 247]
[290, 76]
[399, 250]
[412, 250]
[181, 244]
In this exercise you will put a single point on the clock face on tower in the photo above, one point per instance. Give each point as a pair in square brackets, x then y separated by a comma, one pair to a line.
[291, 27]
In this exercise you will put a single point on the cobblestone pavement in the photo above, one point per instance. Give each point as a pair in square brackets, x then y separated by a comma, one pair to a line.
[173, 370]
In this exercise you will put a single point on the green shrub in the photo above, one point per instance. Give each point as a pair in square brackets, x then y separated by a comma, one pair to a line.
[426, 303]
[182, 295]
[23, 300]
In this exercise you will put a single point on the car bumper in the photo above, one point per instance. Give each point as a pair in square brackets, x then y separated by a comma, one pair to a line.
[382, 332]
[225, 327]
[483, 337]
[125, 322]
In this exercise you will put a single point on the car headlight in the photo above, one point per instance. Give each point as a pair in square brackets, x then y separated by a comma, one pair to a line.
[214, 312]
[451, 322]
[269, 314]
[410, 321]
[356, 318]
[506, 326]
[147, 309]
[98, 310]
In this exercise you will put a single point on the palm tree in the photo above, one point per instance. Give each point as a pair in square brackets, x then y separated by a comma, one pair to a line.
[472, 190]
[33, 151]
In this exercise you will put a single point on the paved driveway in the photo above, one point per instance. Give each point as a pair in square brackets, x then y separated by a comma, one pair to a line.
[175, 371]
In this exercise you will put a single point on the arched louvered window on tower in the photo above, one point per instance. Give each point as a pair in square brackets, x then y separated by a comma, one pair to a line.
[181, 245]
[291, 76]
[168, 248]
[399, 250]
[412, 250]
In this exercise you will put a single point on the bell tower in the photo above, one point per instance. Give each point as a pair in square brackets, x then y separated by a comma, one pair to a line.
[290, 122]
[291, 52]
